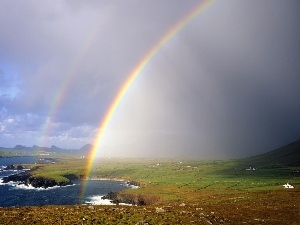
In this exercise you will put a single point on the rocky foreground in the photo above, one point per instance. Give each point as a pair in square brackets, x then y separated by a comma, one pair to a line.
[259, 207]
[110, 215]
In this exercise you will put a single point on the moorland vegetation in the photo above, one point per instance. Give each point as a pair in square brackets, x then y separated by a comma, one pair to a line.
[241, 191]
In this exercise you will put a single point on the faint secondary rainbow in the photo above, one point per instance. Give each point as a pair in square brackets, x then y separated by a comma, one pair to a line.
[133, 75]
[65, 84]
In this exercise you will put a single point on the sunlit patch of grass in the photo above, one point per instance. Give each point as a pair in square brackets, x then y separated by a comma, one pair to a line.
[59, 170]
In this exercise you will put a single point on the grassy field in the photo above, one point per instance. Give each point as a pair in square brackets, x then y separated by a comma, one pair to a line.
[183, 192]
[58, 171]
[199, 192]
[198, 174]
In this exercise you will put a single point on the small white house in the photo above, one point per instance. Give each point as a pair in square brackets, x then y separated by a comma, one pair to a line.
[287, 185]
[250, 168]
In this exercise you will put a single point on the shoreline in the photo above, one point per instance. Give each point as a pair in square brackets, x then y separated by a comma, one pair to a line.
[23, 186]
[98, 200]
[101, 199]
[132, 183]
[104, 178]
[23, 179]
[114, 198]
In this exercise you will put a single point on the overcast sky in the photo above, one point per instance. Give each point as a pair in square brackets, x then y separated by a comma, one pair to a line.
[226, 85]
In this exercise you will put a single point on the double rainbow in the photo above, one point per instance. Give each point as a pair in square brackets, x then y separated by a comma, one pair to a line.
[201, 7]
[173, 30]
[66, 83]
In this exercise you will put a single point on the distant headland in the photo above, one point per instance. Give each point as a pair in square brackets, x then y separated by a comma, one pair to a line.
[53, 148]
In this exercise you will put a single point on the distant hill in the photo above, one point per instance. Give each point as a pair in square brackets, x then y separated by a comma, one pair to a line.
[288, 155]
[86, 147]
[22, 147]
[53, 148]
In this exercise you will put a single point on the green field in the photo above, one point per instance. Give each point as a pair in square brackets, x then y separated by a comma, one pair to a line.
[216, 192]
[178, 192]
[194, 175]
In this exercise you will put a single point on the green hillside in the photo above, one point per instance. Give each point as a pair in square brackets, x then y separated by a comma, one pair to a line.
[288, 155]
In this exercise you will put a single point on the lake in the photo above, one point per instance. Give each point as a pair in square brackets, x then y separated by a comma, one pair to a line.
[12, 194]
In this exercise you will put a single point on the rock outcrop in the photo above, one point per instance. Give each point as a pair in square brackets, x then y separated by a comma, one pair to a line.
[36, 181]
[14, 167]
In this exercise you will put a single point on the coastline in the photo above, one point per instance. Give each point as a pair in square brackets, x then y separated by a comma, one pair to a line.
[24, 179]
[17, 156]
[131, 183]
[34, 195]
[116, 198]
[98, 200]
[23, 186]
[104, 178]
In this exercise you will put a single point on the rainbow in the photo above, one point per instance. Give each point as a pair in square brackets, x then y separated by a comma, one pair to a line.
[65, 84]
[173, 30]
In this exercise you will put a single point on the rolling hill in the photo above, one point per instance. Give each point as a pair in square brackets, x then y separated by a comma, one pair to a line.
[288, 155]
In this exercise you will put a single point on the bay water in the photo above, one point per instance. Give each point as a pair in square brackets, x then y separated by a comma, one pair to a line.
[13, 194]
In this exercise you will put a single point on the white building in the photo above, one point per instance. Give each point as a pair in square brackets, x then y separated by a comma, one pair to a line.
[287, 185]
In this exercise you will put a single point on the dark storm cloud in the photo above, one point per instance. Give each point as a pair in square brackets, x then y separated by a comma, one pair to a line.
[231, 89]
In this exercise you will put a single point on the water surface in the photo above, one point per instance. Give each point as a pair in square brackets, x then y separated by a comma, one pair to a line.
[13, 194]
